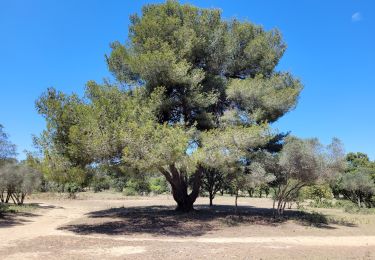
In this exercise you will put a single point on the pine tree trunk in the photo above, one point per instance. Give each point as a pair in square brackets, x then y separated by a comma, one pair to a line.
[179, 184]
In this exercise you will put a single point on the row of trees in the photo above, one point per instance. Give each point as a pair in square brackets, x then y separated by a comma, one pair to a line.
[352, 179]
[16, 179]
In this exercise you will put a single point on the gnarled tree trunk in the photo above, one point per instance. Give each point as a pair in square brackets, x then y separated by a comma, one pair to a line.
[178, 180]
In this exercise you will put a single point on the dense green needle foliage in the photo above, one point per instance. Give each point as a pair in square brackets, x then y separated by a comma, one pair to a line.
[192, 92]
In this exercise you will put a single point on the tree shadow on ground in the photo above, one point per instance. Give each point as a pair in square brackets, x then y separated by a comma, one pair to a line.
[13, 215]
[164, 221]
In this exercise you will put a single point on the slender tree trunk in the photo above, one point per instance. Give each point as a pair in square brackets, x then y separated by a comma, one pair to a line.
[7, 198]
[211, 199]
[235, 203]
[23, 195]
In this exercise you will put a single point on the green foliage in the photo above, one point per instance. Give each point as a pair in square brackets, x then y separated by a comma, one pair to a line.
[264, 99]
[129, 191]
[302, 163]
[72, 188]
[158, 185]
[193, 54]
[321, 204]
[318, 192]
[7, 149]
[192, 91]
[357, 183]
[17, 181]
[118, 183]
[359, 187]
[138, 185]
[212, 181]
[100, 182]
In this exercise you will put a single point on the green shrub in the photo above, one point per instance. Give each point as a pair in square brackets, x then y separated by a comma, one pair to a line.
[321, 204]
[344, 204]
[100, 183]
[118, 183]
[140, 186]
[72, 188]
[318, 192]
[158, 185]
[129, 191]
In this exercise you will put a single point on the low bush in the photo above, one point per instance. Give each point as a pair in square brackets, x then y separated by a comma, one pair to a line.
[158, 185]
[72, 189]
[322, 204]
[129, 191]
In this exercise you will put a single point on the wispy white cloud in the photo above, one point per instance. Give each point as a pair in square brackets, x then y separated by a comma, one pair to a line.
[356, 17]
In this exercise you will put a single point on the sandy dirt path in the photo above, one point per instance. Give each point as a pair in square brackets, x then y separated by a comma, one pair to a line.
[44, 223]
[44, 228]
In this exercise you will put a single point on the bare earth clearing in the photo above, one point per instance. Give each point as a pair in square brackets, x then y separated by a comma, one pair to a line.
[105, 225]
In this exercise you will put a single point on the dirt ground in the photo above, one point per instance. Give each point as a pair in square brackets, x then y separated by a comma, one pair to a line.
[109, 226]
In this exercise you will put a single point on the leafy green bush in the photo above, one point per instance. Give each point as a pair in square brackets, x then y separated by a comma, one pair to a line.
[118, 183]
[140, 186]
[129, 191]
[72, 188]
[318, 192]
[100, 182]
[100, 186]
[321, 204]
[356, 210]
[344, 204]
[158, 185]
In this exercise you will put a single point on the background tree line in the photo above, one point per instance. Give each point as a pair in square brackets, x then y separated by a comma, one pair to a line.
[17, 179]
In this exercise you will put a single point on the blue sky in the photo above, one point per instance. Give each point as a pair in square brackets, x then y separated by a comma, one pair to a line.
[331, 48]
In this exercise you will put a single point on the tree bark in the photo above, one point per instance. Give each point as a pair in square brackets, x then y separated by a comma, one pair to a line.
[179, 183]
[235, 202]
[211, 199]
[7, 198]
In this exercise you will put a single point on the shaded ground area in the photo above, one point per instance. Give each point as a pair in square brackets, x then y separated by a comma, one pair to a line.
[163, 220]
[10, 219]
[12, 215]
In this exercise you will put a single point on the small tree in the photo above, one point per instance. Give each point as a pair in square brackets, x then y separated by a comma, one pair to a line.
[212, 181]
[358, 187]
[31, 180]
[301, 163]
[17, 181]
